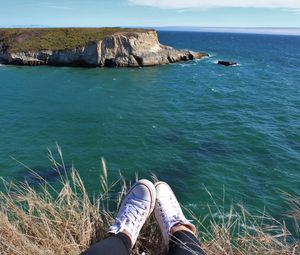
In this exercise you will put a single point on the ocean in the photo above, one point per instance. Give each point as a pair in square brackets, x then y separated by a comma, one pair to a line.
[233, 132]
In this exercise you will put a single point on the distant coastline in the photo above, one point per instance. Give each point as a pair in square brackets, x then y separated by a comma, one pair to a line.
[240, 30]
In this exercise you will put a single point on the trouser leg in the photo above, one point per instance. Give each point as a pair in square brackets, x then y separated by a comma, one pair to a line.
[118, 244]
[184, 243]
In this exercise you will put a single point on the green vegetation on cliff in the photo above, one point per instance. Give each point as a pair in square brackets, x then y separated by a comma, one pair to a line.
[35, 39]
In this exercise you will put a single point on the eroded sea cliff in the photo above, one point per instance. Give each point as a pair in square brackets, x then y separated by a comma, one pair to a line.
[125, 48]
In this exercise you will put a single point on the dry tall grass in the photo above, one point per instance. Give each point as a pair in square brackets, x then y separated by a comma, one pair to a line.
[67, 221]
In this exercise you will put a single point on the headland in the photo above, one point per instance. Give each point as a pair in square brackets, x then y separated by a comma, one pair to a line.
[88, 47]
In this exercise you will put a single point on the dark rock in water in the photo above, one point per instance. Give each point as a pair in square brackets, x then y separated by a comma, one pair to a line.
[41, 175]
[227, 63]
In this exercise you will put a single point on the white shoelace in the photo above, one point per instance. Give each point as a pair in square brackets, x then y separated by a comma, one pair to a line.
[133, 214]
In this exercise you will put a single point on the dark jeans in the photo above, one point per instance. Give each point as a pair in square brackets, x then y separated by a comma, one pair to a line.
[182, 243]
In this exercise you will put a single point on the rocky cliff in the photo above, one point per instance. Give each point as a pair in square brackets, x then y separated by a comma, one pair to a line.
[124, 49]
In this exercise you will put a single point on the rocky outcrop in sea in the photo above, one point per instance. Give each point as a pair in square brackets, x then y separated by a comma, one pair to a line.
[126, 49]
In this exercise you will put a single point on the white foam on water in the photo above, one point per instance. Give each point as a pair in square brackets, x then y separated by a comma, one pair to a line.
[201, 59]
[211, 54]
[236, 65]
[191, 205]
[218, 215]
[190, 63]
[210, 59]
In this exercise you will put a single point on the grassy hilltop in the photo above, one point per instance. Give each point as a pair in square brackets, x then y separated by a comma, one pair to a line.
[35, 39]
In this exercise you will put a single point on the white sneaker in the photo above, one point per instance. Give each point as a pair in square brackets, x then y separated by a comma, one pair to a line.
[135, 208]
[168, 212]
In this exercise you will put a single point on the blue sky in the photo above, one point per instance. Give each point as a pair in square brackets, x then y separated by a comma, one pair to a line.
[204, 13]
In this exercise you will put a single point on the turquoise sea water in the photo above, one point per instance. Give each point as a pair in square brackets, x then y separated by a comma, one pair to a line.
[196, 125]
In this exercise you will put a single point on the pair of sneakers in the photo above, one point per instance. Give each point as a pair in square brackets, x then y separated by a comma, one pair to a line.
[139, 203]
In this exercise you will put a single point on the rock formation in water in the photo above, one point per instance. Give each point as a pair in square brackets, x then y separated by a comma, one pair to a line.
[227, 63]
[121, 49]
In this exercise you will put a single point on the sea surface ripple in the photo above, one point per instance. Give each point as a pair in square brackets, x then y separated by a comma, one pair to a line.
[195, 124]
